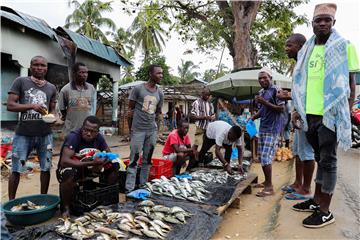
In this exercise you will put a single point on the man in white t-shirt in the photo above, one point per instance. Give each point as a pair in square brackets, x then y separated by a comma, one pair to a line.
[222, 134]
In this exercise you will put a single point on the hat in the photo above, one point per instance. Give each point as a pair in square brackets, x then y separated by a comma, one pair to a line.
[266, 70]
[325, 9]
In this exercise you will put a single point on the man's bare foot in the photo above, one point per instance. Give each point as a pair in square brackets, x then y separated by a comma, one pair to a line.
[303, 192]
[66, 213]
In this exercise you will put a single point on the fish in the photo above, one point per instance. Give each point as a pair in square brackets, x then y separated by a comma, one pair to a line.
[171, 219]
[143, 219]
[105, 236]
[140, 213]
[152, 234]
[162, 224]
[160, 208]
[27, 206]
[112, 232]
[181, 217]
[157, 229]
[147, 203]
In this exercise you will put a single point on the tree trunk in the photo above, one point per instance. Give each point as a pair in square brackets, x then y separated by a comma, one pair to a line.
[244, 13]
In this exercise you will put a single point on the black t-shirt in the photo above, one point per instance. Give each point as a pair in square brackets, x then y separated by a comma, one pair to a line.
[31, 123]
[74, 141]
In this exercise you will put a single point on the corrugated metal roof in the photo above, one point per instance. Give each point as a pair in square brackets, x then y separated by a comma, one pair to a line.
[28, 21]
[97, 48]
[84, 43]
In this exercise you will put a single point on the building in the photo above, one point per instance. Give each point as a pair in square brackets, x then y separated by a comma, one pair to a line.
[24, 36]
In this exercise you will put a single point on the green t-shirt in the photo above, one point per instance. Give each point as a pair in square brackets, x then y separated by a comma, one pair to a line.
[316, 74]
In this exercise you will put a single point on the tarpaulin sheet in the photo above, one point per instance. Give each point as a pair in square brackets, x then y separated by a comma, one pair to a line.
[201, 225]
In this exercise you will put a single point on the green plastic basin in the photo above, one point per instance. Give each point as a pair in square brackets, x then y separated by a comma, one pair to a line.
[32, 217]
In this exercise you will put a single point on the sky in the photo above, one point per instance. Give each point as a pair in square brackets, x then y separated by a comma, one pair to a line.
[54, 13]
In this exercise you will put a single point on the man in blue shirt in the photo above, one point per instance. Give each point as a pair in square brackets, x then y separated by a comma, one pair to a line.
[271, 124]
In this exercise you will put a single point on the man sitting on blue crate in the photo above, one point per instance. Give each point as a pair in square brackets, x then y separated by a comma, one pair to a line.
[178, 148]
[81, 157]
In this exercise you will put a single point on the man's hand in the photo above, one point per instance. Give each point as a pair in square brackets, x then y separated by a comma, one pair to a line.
[241, 170]
[227, 168]
[39, 108]
[296, 120]
[260, 99]
[283, 94]
[196, 154]
[97, 164]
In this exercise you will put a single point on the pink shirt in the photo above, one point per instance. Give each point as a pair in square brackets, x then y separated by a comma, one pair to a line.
[174, 138]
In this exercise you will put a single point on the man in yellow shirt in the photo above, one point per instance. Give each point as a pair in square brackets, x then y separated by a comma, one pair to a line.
[323, 91]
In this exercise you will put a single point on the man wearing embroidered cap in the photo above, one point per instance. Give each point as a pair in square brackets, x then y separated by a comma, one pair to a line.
[323, 93]
[270, 112]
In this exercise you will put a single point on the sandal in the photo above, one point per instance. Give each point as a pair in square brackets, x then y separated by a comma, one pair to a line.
[296, 196]
[265, 193]
[258, 185]
[287, 189]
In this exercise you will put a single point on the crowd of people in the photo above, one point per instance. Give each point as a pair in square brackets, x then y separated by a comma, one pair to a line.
[321, 96]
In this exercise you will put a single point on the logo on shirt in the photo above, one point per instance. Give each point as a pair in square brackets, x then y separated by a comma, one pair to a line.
[33, 96]
[149, 105]
[316, 63]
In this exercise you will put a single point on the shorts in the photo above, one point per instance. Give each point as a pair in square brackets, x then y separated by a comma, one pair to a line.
[199, 136]
[302, 147]
[172, 157]
[267, 147]
[80, 173]
[22, 147]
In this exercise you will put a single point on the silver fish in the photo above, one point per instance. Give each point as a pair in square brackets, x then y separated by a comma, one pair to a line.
[152, 234]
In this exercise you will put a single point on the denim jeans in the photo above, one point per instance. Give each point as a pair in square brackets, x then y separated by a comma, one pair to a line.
[140, 142]
[324, 143]
[23, 145]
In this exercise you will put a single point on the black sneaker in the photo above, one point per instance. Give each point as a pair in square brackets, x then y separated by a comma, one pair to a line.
[318, 219]
[306, 206]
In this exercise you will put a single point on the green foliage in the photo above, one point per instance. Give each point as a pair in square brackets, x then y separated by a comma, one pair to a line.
[87, 19]
[211, 23]
[143, 72]
[105, 83]
[213, 74]
[275, 22]
[186, 71]
[147, 31]
[123, 43]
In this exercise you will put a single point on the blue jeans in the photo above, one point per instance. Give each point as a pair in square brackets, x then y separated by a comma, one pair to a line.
[324, 143]
[23, 145]
[140, 142]
[301, 146]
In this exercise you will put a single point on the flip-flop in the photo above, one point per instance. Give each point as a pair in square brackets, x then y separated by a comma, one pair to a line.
[258, 185]
[264, 193]
[287, 189]
[296, 196]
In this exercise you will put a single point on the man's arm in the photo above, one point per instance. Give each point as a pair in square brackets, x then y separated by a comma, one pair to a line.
[66, 160]
[13, 105]
[352, 85]
[183, 150]
[219, 155]
[274, 107]
[131, 113]
[257, 115]
[240, 158]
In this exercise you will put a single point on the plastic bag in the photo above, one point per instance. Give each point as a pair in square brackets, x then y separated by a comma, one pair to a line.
[251, 128]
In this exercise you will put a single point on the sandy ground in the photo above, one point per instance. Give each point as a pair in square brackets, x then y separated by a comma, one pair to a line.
[260, 218]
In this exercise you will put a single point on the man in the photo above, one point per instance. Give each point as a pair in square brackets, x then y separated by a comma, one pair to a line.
[178, 148]
[323, 93]
[145, 103]
[303, 152]
[32, 97]
[77, 99]
[71, 170]
[271, 124]
[222, 134]
[202, 113]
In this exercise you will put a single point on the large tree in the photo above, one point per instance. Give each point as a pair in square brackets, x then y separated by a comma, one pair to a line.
[187, 72]
[253, 31]
[88, 19]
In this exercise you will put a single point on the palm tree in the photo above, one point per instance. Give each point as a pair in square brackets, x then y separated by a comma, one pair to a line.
[147, 31]
[87, 19]
[186, 71]
[122, 42]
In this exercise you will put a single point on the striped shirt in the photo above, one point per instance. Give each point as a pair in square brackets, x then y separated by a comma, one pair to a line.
[202, 108]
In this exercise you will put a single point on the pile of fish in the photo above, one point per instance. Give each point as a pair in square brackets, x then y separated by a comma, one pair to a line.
[28, 205]
[179, 188]
[104, 224]
[233, 164]
[217, 176]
